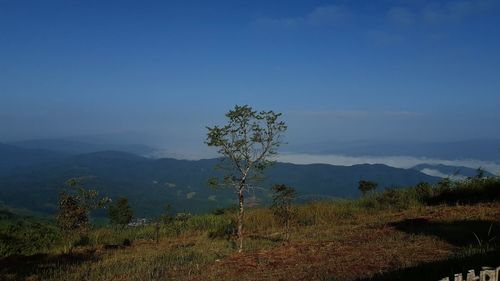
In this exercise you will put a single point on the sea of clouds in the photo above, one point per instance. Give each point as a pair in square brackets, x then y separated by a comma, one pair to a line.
[405, 162]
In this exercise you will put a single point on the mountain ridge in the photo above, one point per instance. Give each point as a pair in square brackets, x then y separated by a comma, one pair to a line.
[151, 183]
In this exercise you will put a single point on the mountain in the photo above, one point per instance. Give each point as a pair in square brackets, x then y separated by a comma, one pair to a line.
[472, 149]
[71, 146]
[440, 170]
[149, 184]
[13, 157]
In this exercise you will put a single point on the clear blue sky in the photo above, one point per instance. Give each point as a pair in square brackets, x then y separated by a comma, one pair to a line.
[338, 70]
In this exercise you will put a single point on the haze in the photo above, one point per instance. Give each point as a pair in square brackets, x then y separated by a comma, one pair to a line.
[158, 72]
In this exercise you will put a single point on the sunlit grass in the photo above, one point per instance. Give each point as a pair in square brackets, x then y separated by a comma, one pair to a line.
[330, 240]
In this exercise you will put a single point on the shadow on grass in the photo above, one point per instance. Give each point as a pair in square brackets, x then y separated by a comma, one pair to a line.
[275, 238]
[20, 267]
[436, 270]
[459, 233]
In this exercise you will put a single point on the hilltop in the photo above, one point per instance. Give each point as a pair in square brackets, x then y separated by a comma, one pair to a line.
[407, 234]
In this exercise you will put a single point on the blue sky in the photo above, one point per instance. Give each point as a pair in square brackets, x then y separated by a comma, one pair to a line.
[338, 70]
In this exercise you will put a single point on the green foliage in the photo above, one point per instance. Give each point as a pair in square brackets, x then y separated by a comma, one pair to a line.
[120, 213]
[75, 206]
[245, 142]
[72, 217]
[116, 175]
[166, 217]
[486, 242]
[468, 191]
[282, 206]
[424, 191]
[88, 199]
[367, 186]
[189, 241]
[24, 235]
[398, 199]
[225, 228]
[445, 184]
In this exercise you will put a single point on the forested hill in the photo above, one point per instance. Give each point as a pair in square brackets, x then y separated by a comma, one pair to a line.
[35, 178]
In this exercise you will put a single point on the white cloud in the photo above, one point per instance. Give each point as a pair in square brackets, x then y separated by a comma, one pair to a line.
[436, 173]
[355, 114]
[318, 16]
[455, 11]
[326, 14]
[393, 161]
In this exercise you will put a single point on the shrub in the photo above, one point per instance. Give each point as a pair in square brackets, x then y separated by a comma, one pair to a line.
[282, 207]
[391, 198]
[225, 231]
[469, 191]
[23, 235]
[423, 192]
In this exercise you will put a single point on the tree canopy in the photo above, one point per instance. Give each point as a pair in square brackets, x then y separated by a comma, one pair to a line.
[120, 212]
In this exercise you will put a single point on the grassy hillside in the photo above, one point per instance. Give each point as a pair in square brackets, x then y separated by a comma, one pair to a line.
[22, 234]
[420, 233]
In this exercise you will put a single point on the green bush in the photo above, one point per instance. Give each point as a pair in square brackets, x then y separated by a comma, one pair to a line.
[469, 191]
[20, 235]
[423, 191]
[392, 198]
[225, 231]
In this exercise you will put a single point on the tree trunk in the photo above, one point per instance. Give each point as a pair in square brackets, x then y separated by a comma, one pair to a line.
[287, 223]
[287, 231]
[240, 217]
[157, 230]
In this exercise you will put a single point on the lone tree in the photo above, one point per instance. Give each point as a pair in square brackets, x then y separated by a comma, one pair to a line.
[247, 144]
[120, 213]
[71, 217]
[367, 186]
[75, 205]
[282, 206]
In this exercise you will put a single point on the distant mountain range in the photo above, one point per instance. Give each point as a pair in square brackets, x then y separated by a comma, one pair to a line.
[474, 149]
[32, 178]
[70, 146]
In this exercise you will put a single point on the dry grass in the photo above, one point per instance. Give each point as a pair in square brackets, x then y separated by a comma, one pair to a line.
[348, 249]
[335, 241]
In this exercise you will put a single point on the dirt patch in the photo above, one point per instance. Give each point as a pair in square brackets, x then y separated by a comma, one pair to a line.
[360, 254]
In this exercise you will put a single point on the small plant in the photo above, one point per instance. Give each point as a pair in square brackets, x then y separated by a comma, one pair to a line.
[423, 192]
[166, 217]
[75, 206]
[396, 199]
[120, 213]
[282, 206]
[226, 230]
[445, 184]
[487, 243]
[367, 186]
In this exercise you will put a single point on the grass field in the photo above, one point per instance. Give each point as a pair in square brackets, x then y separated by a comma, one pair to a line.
[367, 239]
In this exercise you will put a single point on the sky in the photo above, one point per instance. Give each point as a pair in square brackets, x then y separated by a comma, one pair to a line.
[161, 71]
